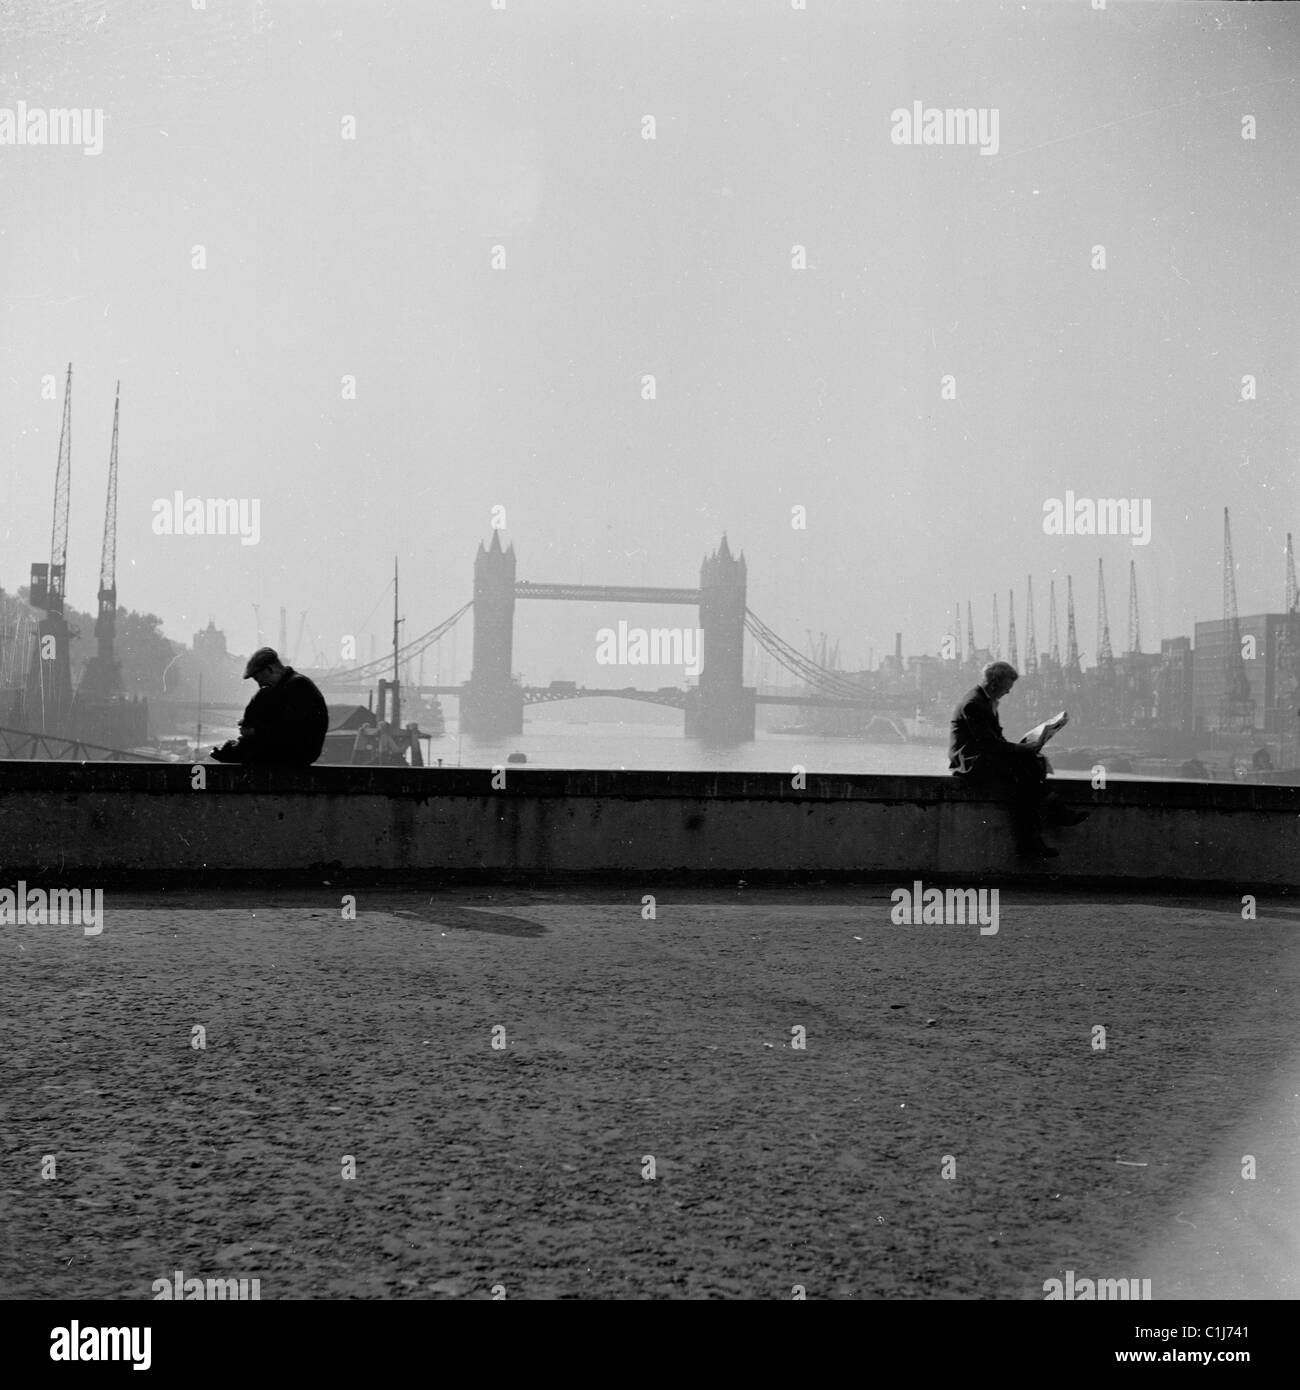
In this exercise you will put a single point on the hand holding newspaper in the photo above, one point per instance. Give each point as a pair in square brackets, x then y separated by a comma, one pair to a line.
[1049, 728]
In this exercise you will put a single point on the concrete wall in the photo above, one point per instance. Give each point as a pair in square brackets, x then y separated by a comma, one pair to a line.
[63, 824]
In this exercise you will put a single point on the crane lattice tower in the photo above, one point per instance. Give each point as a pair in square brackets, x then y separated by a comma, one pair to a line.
[1071, 638]
[1105, 657]
[48, 697]
[1134, 621]
[1031, 643]
[102, 678]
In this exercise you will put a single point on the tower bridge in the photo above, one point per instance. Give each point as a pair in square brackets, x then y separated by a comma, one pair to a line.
[720, 707]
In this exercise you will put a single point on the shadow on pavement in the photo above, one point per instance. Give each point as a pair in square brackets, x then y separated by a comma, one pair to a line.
[472, 919]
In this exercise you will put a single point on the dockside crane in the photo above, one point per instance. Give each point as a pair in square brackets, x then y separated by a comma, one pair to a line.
[1237, 709]
[1072, 685]
[956, 631]
[1013, 655]
[1134, 622]
[1031, 642]
[1049, 665]
[102, 678]
[1105, 709]
[1053, 638]
[1037, 679]
[1105, 657]
[48, 701]
[970, 633]
[1071, 636]
[1137, 688]
[996, 648]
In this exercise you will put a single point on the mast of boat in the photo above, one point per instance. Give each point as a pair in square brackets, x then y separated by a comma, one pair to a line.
[397, 696]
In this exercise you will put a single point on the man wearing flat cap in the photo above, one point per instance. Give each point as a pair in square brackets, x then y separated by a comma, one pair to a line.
[286, 720]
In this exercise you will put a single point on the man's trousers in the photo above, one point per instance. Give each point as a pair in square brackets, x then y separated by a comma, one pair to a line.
[1021, 780]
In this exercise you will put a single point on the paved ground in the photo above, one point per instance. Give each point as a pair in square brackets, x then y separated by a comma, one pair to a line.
[627, 1039]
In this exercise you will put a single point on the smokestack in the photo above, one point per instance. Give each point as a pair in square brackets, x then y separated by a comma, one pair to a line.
[898, 647]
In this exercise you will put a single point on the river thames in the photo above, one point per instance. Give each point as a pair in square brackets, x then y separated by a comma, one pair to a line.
[622, 746]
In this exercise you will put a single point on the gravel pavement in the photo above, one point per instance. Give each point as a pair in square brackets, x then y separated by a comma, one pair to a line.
[646, 1126]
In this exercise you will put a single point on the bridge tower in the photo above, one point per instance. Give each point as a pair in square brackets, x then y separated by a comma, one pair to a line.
[722, 706]
[493, 704]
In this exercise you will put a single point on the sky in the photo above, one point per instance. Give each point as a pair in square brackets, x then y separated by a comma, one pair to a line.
[950, 358]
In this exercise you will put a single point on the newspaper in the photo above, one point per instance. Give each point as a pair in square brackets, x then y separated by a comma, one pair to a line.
[1049, 728]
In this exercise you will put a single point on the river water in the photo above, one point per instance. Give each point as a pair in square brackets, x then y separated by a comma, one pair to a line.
[620, 746]
[615, 746]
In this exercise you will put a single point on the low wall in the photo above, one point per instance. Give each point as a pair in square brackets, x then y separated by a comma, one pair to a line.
[67, 824]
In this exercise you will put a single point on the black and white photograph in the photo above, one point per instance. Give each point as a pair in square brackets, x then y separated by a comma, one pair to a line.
[649, 652]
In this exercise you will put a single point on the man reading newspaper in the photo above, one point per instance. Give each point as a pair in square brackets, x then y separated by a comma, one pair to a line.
[979, 752]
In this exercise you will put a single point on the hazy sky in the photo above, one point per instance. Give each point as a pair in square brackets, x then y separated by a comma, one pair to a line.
[522, 387]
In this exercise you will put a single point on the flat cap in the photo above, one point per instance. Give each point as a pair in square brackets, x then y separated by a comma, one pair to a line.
[263, 656]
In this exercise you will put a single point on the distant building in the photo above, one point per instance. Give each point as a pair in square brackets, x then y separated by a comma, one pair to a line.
[928, 675]
[1286, 694]
[222, 671]
[1269, 631]
[1175, 707]
[1136, 676]
[210, 644]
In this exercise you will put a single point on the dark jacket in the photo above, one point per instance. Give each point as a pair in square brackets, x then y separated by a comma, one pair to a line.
[977, 742]
[288, 721]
